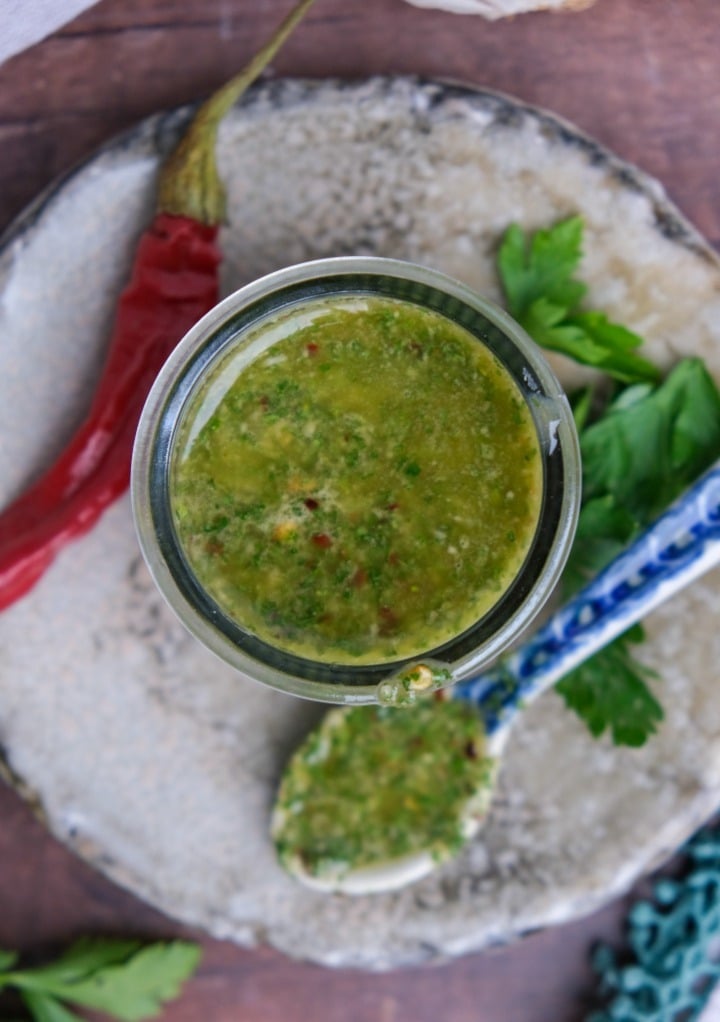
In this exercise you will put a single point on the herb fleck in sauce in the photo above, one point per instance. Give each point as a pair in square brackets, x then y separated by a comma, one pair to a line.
[361, 489]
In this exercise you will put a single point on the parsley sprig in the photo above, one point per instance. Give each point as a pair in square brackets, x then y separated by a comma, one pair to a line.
[640, 451]
[544, 297]
[123, 978]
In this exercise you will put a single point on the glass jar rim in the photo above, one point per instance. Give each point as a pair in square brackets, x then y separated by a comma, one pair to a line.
[226, 325]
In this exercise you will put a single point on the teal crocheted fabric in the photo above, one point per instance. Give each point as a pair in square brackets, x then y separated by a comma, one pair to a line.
[674, 964]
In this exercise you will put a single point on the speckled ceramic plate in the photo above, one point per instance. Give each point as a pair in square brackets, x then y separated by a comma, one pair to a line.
[152, 759]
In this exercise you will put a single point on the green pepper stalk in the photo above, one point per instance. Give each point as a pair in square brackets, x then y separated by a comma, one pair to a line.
[189, 183]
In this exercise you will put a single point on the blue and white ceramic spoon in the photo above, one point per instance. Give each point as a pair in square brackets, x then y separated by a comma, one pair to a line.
[677, 548]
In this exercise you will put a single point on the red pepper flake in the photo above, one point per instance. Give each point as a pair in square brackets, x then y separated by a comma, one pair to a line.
[388, 621]
[214, 546]
[471, 749]
[360, 578]
[265, 402]
[416, 348]
[391, 507]
[393, 559]
[311, 504]
[322, 540]
[312, 348]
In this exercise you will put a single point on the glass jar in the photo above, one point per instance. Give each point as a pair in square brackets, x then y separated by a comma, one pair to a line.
[230, 331]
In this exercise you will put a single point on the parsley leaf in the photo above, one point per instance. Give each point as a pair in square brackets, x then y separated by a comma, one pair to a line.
[47, 1009]
[82, 959]
[7, 960]
[652, 441]
[581, 403]
[123, 978]
[604, 529]
[135, 989]
[543, 296]
[648, 447]
[542, 268]
[609, 691]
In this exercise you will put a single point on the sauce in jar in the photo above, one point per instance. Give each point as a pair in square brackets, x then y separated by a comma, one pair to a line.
[360, 483]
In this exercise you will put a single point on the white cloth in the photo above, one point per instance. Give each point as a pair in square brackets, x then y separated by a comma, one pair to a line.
[24, 22]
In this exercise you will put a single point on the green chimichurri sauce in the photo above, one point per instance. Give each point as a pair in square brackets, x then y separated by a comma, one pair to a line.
[373, 785]
[359, 483]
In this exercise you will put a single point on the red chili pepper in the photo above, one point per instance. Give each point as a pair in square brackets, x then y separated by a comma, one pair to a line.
[174, 282]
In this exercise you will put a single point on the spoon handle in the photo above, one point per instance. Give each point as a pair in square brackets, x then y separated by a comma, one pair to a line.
[677, 548]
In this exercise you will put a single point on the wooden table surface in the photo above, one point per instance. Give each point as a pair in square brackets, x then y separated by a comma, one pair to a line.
[642, 76]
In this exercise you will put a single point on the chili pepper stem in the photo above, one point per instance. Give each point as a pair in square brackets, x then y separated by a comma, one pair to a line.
[189, 183]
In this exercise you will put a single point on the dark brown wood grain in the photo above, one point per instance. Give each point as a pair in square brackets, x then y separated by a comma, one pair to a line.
[642, 76]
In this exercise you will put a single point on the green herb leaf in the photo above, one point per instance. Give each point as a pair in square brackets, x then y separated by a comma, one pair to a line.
[7, 960]
[649, 447]
[136, 989]
[547, 324]
[581, 403]
[609, 691]
[537, 277]
[604, 529]
[82, 959]
[47, 1009]
[541, 268]
[591, 338]
[120, 977]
